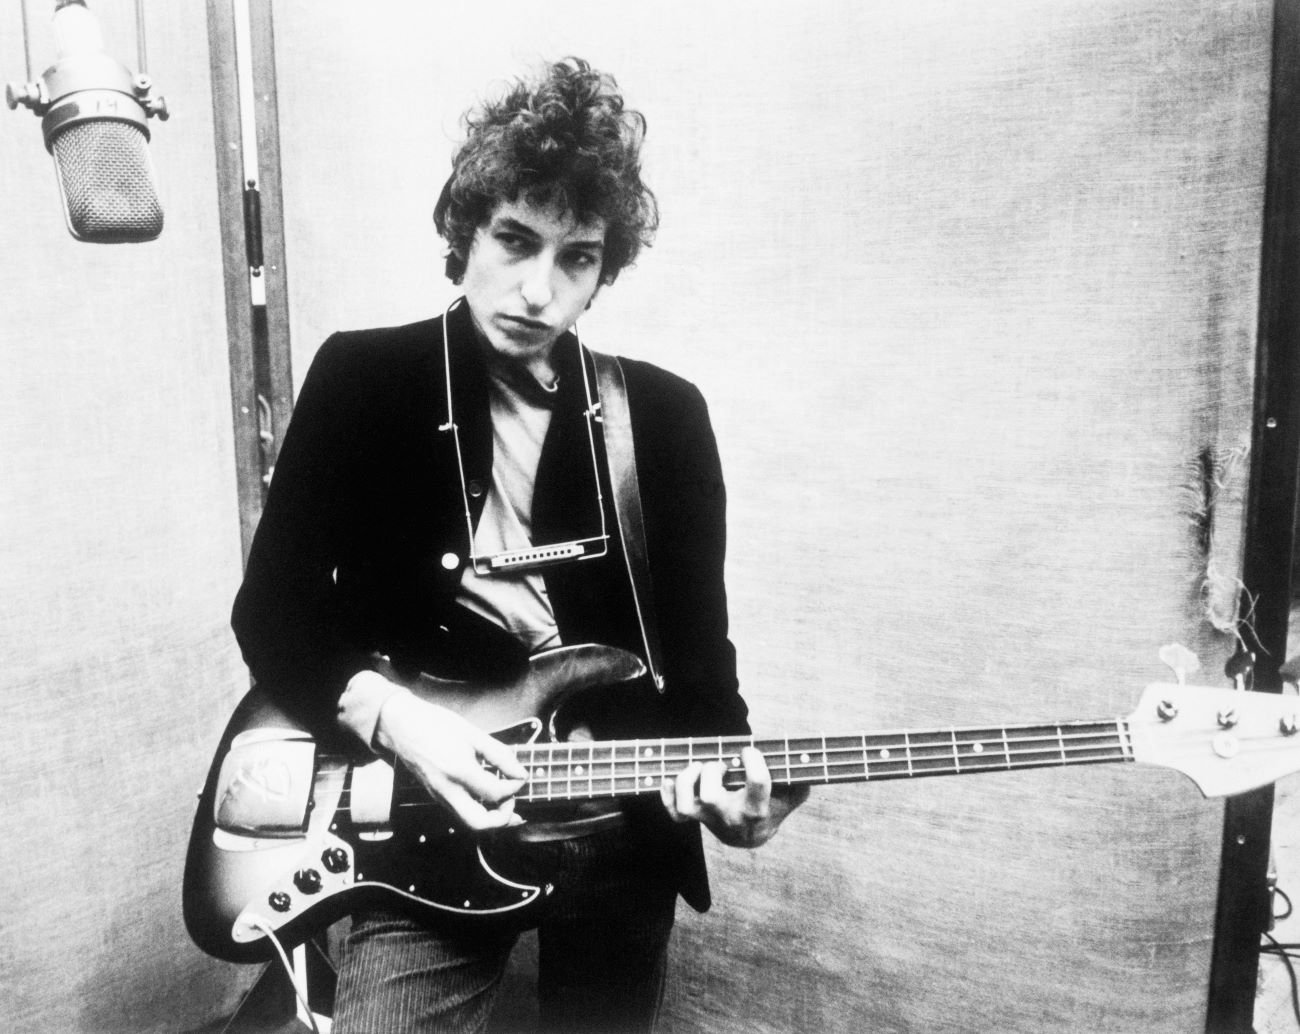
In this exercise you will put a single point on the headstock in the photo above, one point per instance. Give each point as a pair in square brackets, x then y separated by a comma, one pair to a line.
[1227, 741]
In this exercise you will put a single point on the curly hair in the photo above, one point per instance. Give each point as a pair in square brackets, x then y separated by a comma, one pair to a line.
[566, 140]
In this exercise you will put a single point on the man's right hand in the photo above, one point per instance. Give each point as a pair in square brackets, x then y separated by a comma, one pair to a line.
[447, 754]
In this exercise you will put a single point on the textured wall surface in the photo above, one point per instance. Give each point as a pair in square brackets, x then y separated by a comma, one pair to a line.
[119, 551]
[971, 290]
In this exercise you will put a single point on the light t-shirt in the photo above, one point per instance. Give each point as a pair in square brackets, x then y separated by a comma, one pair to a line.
[515, 600]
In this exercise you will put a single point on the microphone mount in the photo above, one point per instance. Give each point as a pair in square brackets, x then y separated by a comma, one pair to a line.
[87, 84]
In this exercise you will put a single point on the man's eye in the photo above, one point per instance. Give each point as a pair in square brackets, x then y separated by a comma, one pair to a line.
[583, 260]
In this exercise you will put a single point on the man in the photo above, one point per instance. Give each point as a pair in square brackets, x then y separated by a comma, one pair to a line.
[415, 455]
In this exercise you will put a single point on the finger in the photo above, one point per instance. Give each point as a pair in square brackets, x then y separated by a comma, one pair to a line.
[668, 794]
[499, 755]
[758, 782]
[461, 775]
[685, 787]
[711, 790]
[484, 787]
[473, 814]
[513, 818]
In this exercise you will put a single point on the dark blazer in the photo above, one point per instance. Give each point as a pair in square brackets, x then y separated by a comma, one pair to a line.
[363, 539]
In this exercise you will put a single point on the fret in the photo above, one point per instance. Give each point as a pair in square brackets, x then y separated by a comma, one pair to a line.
[930, 753]
[1125, 740]
[546, 776]
[886, 755]
[977, 750]
[648, 781]
[802, 759]
[610, 761]
[687, 757]
[729, 755]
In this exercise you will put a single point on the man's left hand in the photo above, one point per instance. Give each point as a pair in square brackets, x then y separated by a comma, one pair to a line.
[745, 817]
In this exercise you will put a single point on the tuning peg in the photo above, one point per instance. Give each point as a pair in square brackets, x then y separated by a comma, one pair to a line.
[1181, 660]
[1240, 668]
[1288, 724]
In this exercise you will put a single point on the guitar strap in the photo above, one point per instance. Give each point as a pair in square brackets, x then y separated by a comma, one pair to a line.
[616, 424]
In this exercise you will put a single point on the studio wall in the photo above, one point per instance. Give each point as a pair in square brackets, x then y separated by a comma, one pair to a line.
[971, 290]
[119, 553]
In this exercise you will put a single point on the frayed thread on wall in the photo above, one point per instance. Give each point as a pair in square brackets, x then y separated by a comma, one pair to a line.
[1217, 487]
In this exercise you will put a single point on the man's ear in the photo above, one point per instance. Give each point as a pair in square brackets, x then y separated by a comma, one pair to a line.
[455, 266]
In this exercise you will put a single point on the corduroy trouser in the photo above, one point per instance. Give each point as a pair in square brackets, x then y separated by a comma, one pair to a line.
[602, 942]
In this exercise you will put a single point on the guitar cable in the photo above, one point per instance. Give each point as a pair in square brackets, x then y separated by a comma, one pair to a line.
[1285, 952]
[259, 923]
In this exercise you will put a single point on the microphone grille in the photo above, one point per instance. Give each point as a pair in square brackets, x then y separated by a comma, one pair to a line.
[107, 181]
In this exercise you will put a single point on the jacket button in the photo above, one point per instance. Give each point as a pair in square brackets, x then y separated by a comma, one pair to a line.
[450, 561]
[475, 488]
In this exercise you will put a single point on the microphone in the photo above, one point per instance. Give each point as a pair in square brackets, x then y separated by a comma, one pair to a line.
[94, 118]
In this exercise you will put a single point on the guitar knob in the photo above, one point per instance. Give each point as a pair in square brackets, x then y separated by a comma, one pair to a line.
[279, 901]
[335, 859]
[1167, 710]
[1288, 724]
[307, 880]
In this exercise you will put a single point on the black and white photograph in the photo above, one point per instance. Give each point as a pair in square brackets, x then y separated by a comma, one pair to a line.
[505, 508]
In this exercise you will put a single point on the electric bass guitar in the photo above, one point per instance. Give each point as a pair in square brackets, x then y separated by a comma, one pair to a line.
[288, 838]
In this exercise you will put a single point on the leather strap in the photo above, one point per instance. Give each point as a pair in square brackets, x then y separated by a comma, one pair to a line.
[616, 424]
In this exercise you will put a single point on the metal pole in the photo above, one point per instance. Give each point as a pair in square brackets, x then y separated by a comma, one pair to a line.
[1243, 901]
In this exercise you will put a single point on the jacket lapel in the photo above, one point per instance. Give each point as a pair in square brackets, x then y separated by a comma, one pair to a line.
[469, 392]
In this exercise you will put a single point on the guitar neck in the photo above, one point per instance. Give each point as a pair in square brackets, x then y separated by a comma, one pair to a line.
[580, 771]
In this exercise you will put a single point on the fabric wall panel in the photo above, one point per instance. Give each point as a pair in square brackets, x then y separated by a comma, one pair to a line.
[971, 292]
[119, 553]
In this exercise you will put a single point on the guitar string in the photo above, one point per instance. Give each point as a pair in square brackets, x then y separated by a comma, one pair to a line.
[1101, 748]
[620, 767]
[561, 762]
[580, 763]
[615, 768]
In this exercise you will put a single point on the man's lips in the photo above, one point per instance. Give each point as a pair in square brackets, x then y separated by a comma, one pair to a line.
[524, 325]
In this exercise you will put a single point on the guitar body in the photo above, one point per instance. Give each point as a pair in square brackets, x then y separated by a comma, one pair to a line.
[287, 839]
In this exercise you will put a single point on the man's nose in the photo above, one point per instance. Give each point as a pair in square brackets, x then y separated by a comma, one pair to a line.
[537, 286]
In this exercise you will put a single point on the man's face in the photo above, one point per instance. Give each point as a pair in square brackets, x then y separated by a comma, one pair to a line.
[530, 273]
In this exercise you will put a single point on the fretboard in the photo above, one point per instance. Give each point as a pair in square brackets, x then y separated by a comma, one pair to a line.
[579, 771]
